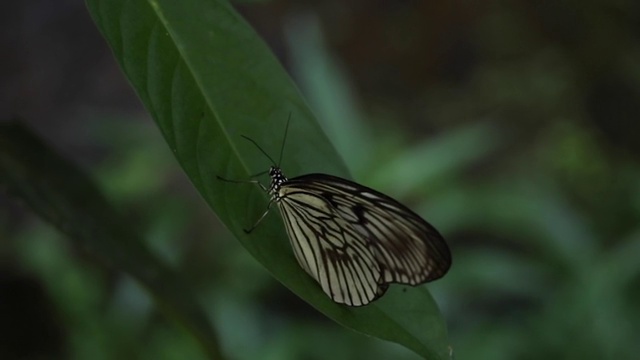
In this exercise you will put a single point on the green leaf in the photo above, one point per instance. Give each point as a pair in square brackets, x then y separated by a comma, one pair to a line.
[207, 78]
[61, 194]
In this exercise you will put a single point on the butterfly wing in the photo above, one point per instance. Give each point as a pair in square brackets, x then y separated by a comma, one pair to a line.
[406, 249]
[329, 248]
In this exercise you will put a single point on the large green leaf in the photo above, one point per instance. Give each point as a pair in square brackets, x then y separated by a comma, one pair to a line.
[206, 78]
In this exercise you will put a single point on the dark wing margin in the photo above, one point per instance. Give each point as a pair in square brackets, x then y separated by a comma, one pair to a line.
[407, 249]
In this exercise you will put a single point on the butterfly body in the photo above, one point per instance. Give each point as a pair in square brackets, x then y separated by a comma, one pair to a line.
[353, 240]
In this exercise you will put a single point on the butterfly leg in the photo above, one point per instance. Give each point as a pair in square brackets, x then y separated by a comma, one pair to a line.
[248, 231]
[243, 182]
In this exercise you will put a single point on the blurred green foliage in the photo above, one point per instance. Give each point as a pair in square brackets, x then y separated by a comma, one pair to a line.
[526, 161]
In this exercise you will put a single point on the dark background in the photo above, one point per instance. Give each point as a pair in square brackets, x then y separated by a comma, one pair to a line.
[510, 125]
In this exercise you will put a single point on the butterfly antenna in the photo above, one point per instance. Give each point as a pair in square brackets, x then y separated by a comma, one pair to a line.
[286, 130]
[259, 148]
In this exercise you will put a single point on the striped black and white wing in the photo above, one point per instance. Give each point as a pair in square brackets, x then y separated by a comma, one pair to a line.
[329, 248]
[359, 239]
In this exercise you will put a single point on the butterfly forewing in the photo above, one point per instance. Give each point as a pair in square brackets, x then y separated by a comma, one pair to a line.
[355, 241]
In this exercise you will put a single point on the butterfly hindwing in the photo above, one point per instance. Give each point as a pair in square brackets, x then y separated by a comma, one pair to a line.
[329, 248]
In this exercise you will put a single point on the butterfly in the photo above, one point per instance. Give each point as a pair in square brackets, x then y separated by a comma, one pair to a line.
[353, 240]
